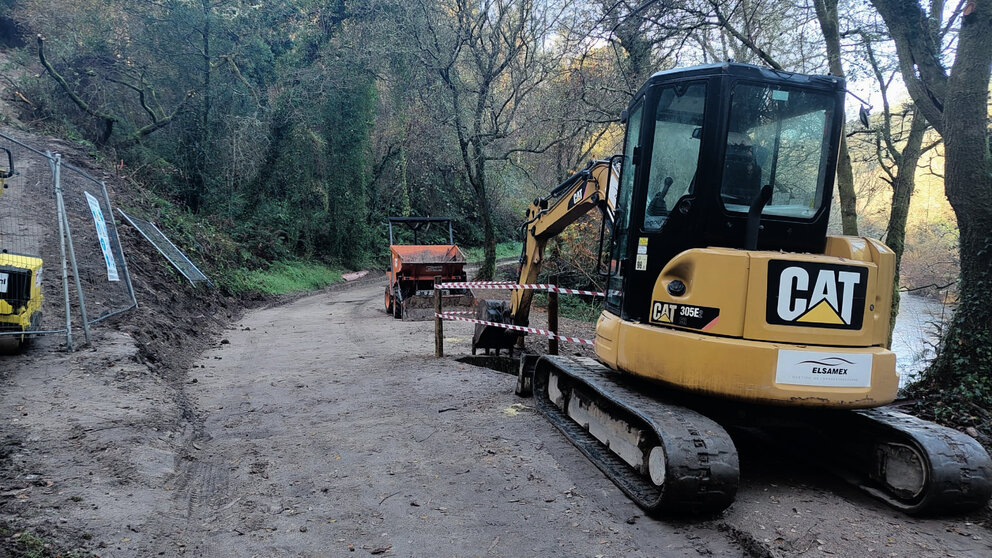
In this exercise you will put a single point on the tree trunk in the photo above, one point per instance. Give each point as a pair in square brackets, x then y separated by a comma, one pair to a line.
[845, 190]
[195, 196]
[826, 14]
[902, 192]
[967, 346]
[488, 269]
[630, 32]
[959, 105]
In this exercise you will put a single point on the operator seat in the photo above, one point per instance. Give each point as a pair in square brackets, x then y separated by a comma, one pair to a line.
[741, 172]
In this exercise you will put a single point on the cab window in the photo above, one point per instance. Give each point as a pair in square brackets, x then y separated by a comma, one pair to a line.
[675, 155]
[779, 137]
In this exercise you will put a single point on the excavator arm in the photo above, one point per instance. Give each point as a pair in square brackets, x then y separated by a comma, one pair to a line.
[593, 187]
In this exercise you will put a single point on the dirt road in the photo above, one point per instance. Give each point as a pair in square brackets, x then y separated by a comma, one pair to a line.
[326, 428]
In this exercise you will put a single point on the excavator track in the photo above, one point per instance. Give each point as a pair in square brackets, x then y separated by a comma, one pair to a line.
[665, 457]
[913, 465]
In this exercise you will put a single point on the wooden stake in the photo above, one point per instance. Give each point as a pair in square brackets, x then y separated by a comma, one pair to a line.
[438, 322]
[553, 320]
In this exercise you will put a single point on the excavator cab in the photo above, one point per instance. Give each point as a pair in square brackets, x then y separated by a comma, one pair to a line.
[701, 144]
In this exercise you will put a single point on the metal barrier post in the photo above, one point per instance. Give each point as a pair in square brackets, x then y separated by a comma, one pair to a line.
[553, 318]
[438, 322]
[65, 272]
[72, 251]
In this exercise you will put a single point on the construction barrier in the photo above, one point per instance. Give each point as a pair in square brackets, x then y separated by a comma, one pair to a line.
[63, 215]
[544, 332]
[551, 334]
[504, 285]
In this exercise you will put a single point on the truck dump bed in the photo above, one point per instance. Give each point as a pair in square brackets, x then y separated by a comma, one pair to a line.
[413, 267]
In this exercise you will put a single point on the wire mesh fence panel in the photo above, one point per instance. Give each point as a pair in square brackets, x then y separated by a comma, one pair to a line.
[57, 275]
[31, 286]
[99, 260]
[169, 250]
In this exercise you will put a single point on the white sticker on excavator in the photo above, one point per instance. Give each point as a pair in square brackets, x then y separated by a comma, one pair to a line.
[807, 368]
[3, 282]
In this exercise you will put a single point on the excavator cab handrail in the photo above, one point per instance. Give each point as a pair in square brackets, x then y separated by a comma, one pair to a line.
[616, 162]
[9, 171]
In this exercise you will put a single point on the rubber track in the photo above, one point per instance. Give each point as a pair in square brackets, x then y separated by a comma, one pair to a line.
[702, 472]
[960, 468]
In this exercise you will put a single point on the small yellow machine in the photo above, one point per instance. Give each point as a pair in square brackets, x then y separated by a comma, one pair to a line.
[729, 308]
[20, 281]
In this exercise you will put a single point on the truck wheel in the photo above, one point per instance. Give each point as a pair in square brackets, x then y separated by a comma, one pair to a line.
[398, 310]
[389, 302]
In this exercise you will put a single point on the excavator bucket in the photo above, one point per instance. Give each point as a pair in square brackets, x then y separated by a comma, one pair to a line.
[488, 337]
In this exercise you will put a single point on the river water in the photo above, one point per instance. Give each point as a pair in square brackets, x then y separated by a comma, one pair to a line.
[915, 335]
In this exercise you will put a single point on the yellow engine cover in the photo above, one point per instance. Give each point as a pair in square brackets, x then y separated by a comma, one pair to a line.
[16, 309]
[767, 327]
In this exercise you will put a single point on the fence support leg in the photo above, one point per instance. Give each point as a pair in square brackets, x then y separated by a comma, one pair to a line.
[65, 273]
[60, 202]
[553, 319]
[438, 322]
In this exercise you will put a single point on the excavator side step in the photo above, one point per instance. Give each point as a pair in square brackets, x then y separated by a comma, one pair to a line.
[663, 456]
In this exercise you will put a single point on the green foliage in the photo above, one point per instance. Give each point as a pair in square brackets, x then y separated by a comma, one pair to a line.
[284, 277]
[311, 194]
[290, 143]
[504, 250]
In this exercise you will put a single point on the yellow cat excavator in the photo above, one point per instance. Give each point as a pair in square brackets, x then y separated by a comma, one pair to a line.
[20, 279]
[728, 307]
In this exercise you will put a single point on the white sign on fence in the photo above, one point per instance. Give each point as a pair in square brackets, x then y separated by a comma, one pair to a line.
[101, 232]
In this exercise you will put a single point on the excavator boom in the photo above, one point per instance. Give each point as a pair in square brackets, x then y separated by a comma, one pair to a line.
[594, 187]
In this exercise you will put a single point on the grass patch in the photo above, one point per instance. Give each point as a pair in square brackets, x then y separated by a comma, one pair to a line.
[285, 278]
[573, 307]
[26, 544]
[504, 250]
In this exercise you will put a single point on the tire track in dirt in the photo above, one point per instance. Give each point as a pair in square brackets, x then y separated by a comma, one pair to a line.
[329, 425]
[324, 424]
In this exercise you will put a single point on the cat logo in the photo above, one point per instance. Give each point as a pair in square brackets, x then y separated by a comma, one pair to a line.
[816, 295]
[577, 197]
[684, 315]
[664, 312]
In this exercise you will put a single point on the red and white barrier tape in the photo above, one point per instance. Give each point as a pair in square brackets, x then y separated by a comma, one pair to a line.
[578, 292]
[496, 285]
[544, 332]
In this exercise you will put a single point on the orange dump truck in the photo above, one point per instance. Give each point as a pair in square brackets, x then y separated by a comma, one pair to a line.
[413, 267]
